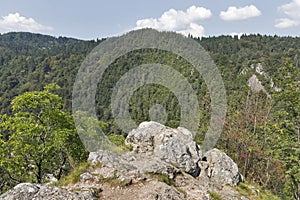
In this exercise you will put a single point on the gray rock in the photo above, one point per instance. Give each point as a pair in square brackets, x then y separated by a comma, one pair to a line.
[154, 165]
[21, 191]
[174, 146]
[50, 178]
[244, 198]
[255, 85]
[86, 177]
[142, 138]
[131, 167]
[161, 191]
[219, 168]
[26, 191]
[178, 149]
[104, 157]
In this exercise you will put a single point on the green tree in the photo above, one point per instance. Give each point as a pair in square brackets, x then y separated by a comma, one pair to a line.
[38, 139]
[286, 126]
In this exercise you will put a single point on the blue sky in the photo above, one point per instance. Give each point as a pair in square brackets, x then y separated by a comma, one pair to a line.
[93, 19]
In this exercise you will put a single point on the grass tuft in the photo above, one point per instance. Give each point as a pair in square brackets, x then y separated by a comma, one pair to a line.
[162, 178]
[215, 196]
[113, 181]
[119, 141]
[74, 176]
[255, 192]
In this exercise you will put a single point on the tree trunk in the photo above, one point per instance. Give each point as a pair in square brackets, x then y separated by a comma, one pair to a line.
[298, 195]
[39, 172]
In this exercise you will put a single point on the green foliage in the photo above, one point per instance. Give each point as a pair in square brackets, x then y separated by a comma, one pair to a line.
[40, 139]
[215, 196]
[255, 192]
[145, 97]
[74, 176]
[119, 140]
[267, 195]
[285, 126]
[31, 61]
[244, 189]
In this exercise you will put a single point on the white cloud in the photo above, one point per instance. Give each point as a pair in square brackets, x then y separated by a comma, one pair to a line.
[16, 22]
[185, 22]
[242, 13]
[292, 10]
[286, 23]
[193, 29]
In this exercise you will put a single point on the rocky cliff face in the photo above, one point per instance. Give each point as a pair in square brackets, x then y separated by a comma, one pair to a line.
[165, 163]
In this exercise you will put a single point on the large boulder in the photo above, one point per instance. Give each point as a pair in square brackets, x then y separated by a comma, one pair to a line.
[174, 146]
[131, 166]
[142, 138]
[219, 168]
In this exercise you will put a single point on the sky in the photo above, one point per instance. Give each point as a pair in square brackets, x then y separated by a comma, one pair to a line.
[92, 19]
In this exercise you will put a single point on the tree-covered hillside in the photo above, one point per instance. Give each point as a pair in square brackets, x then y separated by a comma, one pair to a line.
[31, 61]
[262, 128]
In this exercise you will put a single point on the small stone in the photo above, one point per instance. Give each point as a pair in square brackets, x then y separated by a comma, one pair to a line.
[86, 177]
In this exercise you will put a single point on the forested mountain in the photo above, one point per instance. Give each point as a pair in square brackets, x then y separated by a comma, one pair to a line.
[31, 61]
[262, 127]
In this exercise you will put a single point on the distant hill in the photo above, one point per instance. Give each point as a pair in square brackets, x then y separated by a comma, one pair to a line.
[30, 61]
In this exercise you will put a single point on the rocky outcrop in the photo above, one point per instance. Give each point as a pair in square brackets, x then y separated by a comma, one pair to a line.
[165, 163]
[26, 191]
[256, 86]
[160, 150]
[174, 146]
